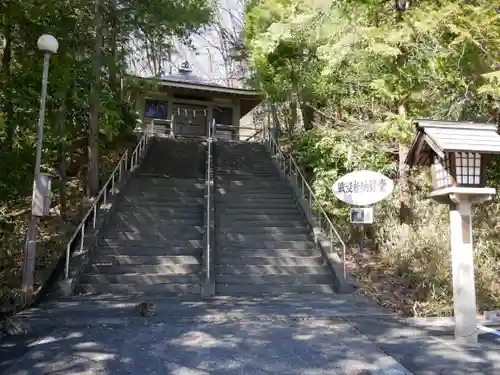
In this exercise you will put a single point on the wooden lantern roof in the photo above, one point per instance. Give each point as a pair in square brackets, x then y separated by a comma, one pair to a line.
[441, 137]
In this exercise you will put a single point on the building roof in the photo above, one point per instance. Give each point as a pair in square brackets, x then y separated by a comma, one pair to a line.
[185, 74]
[450, 136]
[185, 79]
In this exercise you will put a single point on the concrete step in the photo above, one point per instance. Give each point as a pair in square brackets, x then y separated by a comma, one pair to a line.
[228, 238]
[250, 186]
[179, 170]
[153, 221]
[163, 212]
[264, 210]
[246, 253]
[138, 279]
[146, 250]
[272, 270]
[161, 199]
[155, 183]
[258, 217]
[263, 244]
[271, 169]
[161, 230]
[307, 261]
[194, 242]
[143, 214]
[113, 269]
[152, 236]
[246, 164]
[269, 289]
[248, 175]
[146, 260]
[268, 177]
[268, 223]
[159, 206]
[162, 289]
[223, 191]
[325, 278]
[239, 229]
[173, 191]
[234, 203]
[255, 195]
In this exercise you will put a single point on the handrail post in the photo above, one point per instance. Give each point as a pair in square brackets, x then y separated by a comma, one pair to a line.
[208, 287]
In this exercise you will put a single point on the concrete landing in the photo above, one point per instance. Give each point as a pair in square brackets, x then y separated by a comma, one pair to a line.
[274, 335]
[279, 335]
[243, 346]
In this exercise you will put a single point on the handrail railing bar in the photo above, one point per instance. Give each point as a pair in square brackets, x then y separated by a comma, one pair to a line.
[234, 126]
[311, 196]
[257, 132]
[103, 193]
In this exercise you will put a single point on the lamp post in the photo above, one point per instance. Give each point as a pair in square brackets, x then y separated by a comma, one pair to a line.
[459, 154]
[48, 45]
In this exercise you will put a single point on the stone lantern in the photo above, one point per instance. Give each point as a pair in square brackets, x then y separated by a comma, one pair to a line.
[458, 154]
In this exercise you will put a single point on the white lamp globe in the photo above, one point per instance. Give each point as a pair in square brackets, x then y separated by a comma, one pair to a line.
[47, 43]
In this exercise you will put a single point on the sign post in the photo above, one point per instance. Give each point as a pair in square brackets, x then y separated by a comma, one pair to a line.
[362, 188]
[362, 216]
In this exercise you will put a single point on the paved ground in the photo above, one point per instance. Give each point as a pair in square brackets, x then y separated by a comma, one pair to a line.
[287, 335]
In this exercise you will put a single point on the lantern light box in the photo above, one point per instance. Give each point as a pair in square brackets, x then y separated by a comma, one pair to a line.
[458, 154]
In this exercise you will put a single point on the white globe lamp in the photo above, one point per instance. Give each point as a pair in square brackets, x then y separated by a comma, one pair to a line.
[47, 43]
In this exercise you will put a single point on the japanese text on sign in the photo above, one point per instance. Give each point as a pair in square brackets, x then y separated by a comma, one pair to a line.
[366, 186]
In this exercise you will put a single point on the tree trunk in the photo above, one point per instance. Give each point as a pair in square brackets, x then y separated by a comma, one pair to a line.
[8, 107]
[93, 146]
[61, 126]
[404, 184]
[405, 215]
[292, 121]
[307, 116]
[113, 80]
[276, 125]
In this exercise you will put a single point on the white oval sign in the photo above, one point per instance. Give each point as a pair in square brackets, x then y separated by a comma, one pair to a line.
[362, 188]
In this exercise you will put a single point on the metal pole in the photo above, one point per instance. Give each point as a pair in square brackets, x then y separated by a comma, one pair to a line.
[30, 248]
[362, 240]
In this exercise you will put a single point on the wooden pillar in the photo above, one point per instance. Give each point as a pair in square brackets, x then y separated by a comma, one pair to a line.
[210, 116]
[140, 106]
[236, 119]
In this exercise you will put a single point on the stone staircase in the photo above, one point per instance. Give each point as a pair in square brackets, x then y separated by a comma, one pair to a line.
[152, 244]
[264, 243]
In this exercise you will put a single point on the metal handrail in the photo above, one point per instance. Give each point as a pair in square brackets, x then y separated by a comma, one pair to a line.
[209, 186]
[139, 149]
[167, 126]
[237, 127]
[255, 135]
[293, 170]
[109, 186]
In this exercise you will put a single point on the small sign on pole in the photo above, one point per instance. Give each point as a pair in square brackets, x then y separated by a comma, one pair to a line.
[362, 188]
[362, 215]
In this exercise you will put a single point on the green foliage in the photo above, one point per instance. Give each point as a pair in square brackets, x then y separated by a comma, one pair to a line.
[159, 22]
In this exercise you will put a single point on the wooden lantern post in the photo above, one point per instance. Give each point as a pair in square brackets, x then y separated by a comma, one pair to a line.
[458, 154]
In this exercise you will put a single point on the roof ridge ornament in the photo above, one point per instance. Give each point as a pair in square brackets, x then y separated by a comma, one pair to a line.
[185, 67]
